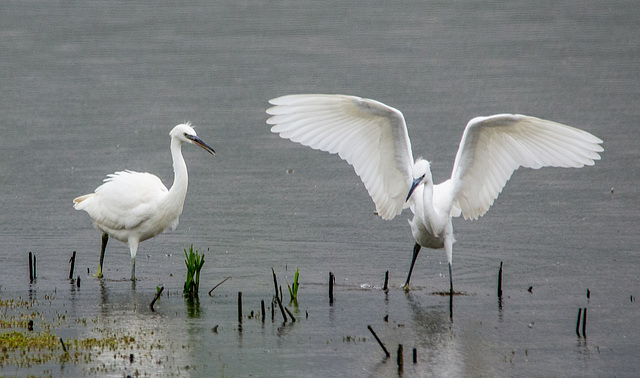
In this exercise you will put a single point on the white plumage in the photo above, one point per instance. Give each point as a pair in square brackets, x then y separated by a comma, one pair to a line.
[373, 138]
[135, 206]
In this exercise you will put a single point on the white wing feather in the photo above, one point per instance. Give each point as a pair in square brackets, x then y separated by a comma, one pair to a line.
[492, 148]
[369, 135]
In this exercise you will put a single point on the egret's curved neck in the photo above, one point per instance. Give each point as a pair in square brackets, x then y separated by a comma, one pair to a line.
[178, 190]
[427, 198]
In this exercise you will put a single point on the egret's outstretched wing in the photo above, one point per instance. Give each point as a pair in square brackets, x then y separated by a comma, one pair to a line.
[493, 147]
[124, 200]
[369, 135]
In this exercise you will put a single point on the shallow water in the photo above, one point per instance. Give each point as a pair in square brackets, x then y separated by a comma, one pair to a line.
[90, 88]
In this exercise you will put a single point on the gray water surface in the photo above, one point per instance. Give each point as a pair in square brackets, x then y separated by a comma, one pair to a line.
[89, 88]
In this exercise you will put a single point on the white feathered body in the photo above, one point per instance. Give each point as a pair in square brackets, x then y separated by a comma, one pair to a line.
[131, 204]
[431, 223]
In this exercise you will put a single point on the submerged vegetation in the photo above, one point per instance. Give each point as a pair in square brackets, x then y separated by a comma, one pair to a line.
[24, 345]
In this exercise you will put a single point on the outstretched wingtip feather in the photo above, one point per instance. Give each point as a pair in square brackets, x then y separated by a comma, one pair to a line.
[493, 147]
[369, 135]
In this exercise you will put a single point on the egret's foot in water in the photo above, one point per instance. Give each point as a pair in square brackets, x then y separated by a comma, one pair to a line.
[98, 274]
[416, 251]
[105, 239]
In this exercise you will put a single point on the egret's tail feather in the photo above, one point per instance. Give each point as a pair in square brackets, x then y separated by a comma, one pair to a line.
[78, 200]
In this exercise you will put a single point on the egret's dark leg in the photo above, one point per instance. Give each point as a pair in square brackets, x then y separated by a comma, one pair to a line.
[416, 251]
[105, 239]
[133, 269]
[451, 306]
[450, 281]
[450, 294]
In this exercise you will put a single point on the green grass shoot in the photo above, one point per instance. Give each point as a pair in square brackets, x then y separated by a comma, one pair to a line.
[193, 261]
[293, 289]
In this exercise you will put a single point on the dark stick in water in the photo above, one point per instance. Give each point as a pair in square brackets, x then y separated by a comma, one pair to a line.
[386, 352]
[331, 279]
[30, 267]
[293, 319]
[239, 307]
[221, 282]
[155, 298]
[500, 281]
[275, 282]
[578, 322]
[72, 261]
[284, 314]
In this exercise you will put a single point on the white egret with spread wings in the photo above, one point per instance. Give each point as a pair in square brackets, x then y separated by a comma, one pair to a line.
[373, 138]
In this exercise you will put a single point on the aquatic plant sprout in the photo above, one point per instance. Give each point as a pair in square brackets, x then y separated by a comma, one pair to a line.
[194, 262]
[293, 289]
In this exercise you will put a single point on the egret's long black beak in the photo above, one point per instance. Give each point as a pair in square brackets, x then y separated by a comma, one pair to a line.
[201, 143]
[415, 184]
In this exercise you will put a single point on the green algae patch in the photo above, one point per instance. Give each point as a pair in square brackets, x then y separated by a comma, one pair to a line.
[17, 340]
[21, 346]
[26, 349]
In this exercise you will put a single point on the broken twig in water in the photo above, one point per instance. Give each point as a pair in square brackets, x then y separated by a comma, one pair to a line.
[221, 282]
[262, 310]
[30, 267]
[284, 314]
[64, 348]
[400, 359]
[500, 281]
[386, 281]
[584, 323]
[275, 282]
[72, 261]
[239, 307]
[578, 322]
[293, 318]
[332, 278]
[158, 293]
[386, 352]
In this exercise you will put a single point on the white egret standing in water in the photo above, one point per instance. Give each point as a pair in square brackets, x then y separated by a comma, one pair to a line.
[373, 138]
[133, 206]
